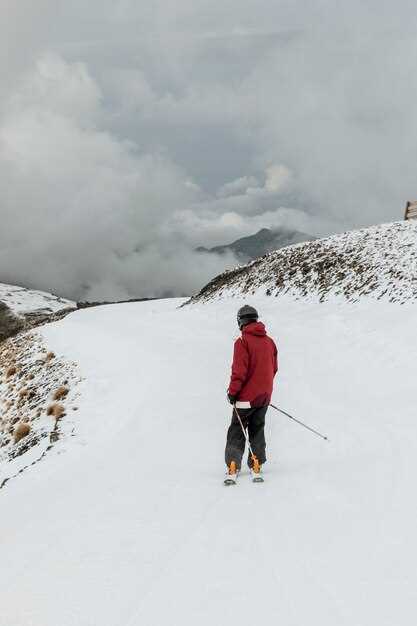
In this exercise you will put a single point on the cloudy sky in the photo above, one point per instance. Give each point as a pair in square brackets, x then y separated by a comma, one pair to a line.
[132, 132]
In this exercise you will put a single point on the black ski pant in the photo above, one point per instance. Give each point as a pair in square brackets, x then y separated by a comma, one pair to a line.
[254, 420]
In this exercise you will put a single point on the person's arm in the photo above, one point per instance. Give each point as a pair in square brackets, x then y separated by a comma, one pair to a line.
[275, 359]
[240, 367]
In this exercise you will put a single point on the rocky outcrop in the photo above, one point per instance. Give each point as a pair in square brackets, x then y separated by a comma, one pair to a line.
[22, 309]
[10, 323]
[44, 316]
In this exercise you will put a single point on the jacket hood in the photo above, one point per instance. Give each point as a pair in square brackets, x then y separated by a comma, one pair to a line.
[254, 328]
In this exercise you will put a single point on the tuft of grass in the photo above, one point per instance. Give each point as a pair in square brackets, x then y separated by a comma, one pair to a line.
[56, 410]
[11, 371]
[21, 430]
[61, 393]
[49, 356]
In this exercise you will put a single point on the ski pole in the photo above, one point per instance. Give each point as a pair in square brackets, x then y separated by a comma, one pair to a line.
[245, 434]
[316, 432]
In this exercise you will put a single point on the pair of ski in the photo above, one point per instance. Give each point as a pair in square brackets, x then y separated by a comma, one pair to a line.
[231, 479]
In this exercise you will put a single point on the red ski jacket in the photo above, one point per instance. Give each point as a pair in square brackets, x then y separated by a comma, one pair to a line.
[255, 363]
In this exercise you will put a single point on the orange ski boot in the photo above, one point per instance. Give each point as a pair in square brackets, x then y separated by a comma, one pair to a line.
[256, 471]
[231, 474]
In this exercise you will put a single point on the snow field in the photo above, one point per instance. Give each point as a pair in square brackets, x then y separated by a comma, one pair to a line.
[128, 523]
[21, 300]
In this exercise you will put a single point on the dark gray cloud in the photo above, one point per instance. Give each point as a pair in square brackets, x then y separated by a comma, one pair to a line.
[131, 133]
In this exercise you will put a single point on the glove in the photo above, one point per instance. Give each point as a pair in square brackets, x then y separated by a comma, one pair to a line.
[232, 399]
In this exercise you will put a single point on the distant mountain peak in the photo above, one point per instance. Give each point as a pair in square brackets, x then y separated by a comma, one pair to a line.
[262, 242]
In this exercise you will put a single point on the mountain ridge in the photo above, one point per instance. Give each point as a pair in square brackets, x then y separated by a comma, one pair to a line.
[379, 261]
[263, 241]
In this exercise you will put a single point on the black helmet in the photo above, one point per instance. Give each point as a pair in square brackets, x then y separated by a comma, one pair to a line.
[246, 315]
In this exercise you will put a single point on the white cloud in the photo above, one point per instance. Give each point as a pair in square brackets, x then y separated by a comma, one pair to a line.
[85, 213]
[278, 178]
[240, 185]
[137, 117]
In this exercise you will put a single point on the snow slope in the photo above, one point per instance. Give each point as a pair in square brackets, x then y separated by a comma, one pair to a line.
[26, 301]
[379, 262]
[127, 523]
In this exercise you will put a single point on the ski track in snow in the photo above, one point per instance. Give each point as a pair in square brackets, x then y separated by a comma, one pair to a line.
[128, 523]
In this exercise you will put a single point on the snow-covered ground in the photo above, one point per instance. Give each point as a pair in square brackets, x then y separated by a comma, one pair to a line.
[23, 301]
[378, 262]
[127, 523]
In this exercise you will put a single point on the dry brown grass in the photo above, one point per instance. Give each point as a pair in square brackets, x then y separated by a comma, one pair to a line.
[56, 410]
[11, 371]
[23, 393]
[61, 393]
[49, 356]
[20, 431]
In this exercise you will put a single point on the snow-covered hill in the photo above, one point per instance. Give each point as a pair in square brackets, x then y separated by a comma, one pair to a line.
[30, 302]
[20, 308]
[380, 262]
[125, 521]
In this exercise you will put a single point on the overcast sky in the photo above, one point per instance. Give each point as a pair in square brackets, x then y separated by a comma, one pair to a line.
[131, 132]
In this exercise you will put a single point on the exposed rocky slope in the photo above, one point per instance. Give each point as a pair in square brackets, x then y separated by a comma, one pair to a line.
[34, 384]
[10, 323]
[264, 241]
[22, 308]
[380, 262]
[36, 388]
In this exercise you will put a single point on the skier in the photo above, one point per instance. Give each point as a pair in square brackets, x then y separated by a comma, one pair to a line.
[255, 363]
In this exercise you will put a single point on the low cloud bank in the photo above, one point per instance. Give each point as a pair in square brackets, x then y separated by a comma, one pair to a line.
[87, 215]
[129, 137]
